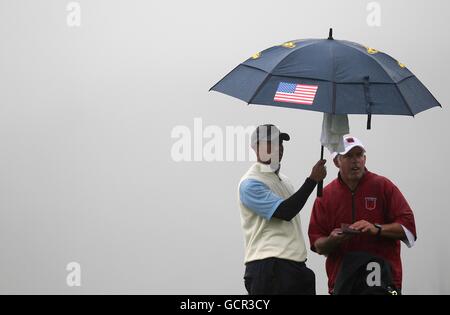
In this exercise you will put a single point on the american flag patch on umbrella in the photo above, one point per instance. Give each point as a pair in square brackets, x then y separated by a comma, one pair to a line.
[296, 93]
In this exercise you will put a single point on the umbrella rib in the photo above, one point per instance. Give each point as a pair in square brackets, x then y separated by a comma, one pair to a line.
[223, 78]
[290, 53]
[293, 51]
[290, 77]
[259, 88]
[333, 84]
[302, 78]
[252, 67]
[411, 76]
[404, 100]
[371, 57]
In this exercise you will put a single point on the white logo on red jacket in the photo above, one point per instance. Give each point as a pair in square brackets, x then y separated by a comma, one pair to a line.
[371, 203]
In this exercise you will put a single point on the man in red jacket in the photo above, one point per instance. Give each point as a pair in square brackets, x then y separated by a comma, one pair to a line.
[377, 215]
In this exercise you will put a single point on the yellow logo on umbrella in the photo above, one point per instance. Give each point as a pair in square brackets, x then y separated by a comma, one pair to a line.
[401, 64]
[256, 56]
[371, 50]
[289, 45]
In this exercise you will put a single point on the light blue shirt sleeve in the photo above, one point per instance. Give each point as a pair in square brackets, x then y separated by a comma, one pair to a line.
[256, 196]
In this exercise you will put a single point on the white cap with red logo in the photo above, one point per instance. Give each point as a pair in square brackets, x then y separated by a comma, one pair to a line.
[350, 143]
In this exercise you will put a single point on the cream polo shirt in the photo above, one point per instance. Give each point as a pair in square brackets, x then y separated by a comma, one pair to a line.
[271, 237]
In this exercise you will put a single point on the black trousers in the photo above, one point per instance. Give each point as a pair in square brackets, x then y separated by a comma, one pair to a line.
[279, 276]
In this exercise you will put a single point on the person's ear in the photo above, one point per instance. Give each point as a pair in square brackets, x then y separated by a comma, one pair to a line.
[337, 162]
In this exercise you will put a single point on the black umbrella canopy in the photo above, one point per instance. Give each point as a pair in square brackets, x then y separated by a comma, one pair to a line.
[328, 75]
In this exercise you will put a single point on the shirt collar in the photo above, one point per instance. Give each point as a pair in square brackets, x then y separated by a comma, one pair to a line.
[266, 168]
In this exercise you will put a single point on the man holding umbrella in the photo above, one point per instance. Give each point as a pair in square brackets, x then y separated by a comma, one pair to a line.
[275, 248]
[360, 212]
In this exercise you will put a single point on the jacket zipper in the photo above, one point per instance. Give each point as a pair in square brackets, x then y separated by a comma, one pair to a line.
[353, 208]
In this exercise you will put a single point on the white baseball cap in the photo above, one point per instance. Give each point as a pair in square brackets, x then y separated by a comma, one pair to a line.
[351, 142]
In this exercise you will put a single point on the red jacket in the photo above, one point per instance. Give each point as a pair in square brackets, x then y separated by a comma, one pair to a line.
[376, 200]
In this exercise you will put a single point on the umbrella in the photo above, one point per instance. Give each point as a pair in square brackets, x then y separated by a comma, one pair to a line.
[331, 76]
